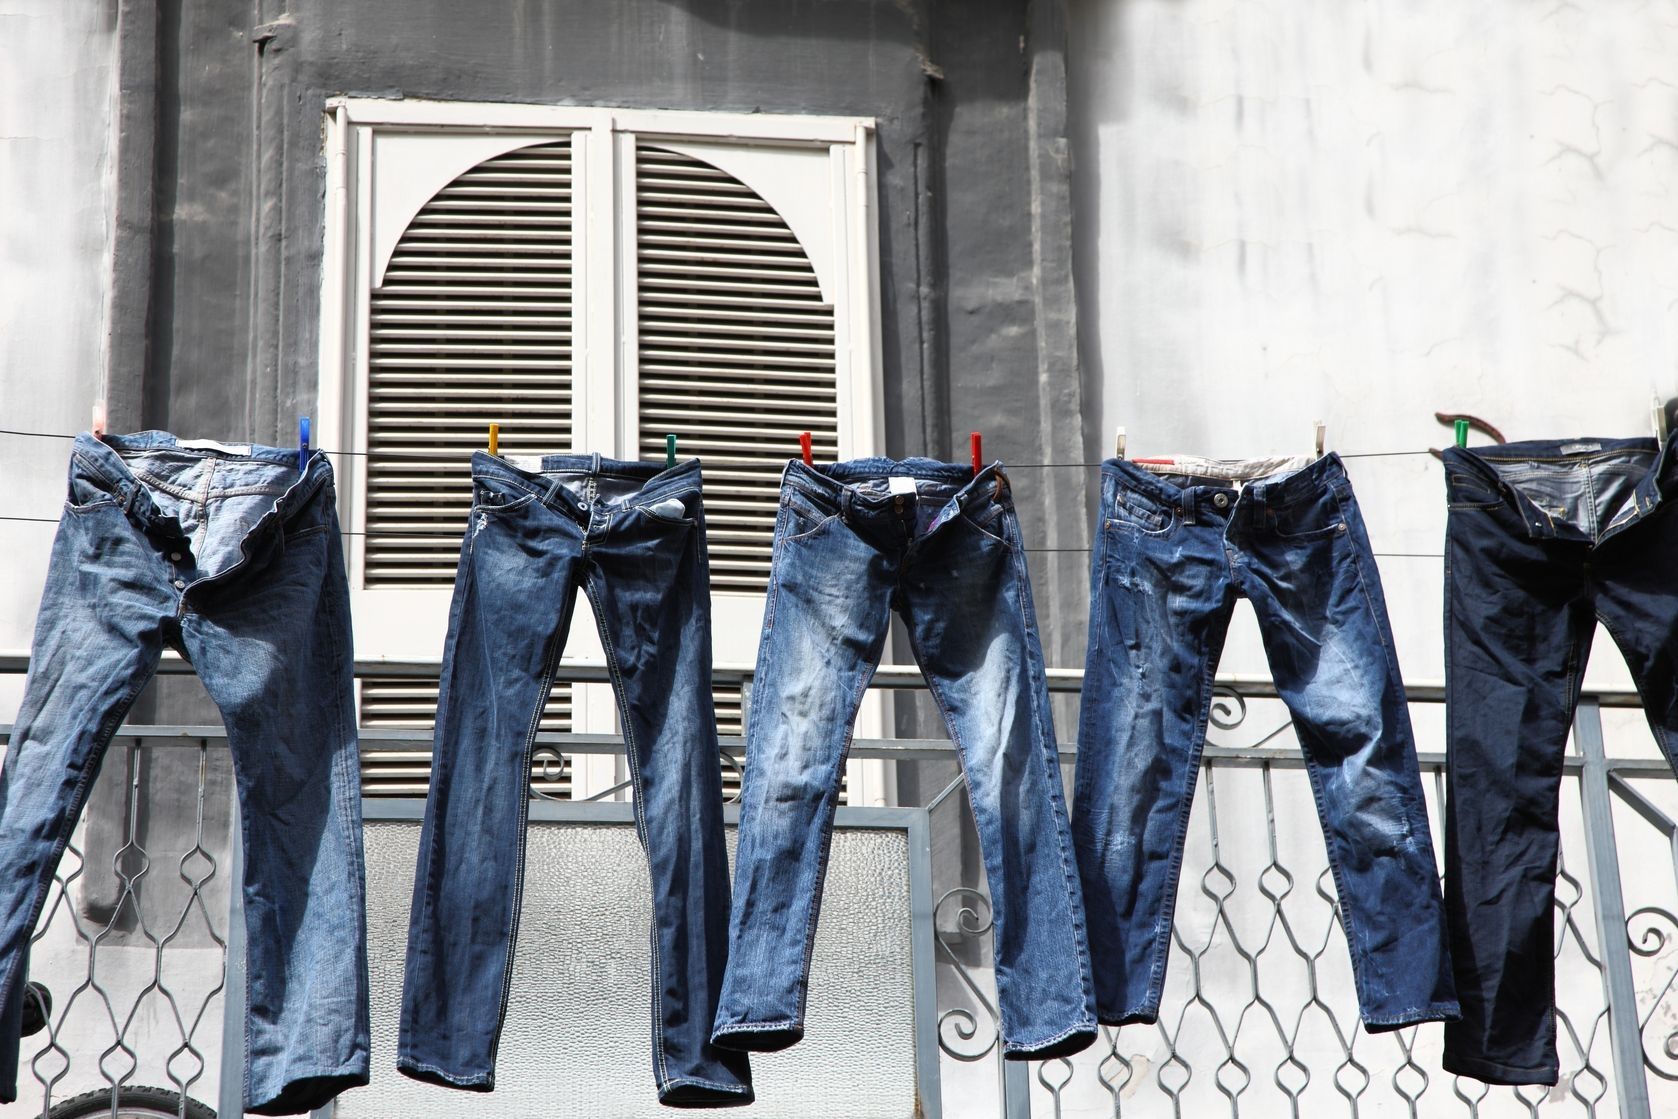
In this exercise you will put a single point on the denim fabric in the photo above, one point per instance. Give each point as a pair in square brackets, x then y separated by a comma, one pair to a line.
[1544, 540]
[632, 536]
[855, 541]
[230, 556]
[1173, 551]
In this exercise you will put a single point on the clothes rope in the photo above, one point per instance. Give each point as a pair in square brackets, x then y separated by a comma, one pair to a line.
[453, 457]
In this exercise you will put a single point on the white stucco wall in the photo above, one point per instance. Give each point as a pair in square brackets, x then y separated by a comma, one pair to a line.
[1366, 213]
[57, 92]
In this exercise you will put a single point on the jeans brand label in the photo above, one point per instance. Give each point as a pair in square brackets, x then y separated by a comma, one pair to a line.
[1577, 448]
[897, 483]
[531, 463]
[212, 445]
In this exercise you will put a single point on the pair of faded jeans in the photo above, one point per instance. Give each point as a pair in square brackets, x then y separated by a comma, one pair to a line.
[631, 535]
[939, 545]
[1175, 547]
[231, 556]
[1545, 539]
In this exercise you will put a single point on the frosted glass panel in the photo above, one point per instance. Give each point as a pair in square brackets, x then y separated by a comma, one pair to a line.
[577, 1035]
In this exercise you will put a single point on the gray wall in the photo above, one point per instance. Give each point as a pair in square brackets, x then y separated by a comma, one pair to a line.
[219, 294]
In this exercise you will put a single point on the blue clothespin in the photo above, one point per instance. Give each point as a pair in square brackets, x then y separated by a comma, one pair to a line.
[302, 444]
[669, 451]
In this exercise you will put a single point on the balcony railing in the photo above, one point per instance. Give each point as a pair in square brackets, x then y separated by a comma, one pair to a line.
[1259, 1017]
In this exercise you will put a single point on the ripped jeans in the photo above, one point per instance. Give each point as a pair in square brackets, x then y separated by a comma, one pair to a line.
[939, 545]
[1173, 551]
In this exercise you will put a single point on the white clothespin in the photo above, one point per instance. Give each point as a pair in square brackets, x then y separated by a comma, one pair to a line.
[1322, 434]
[1658, 416]
[97, 425]
[1118, 443]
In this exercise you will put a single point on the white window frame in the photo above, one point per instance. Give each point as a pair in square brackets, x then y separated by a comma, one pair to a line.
[605, 342]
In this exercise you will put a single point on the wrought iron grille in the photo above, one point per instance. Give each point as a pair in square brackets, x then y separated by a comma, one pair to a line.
[1259, 1017]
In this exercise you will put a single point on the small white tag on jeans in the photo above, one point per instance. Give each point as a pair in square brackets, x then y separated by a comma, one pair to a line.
[212, 445]
[530, 463]
[1577, 448]
[897, 483]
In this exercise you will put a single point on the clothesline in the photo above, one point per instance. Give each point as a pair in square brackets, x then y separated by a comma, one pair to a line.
[445, 535]
[455, 456]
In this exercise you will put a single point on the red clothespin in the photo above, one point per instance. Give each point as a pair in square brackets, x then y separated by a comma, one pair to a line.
[804, 448]
[978, 455]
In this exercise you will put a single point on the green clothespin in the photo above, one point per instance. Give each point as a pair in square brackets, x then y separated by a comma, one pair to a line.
[669, 451]
[1462, 433]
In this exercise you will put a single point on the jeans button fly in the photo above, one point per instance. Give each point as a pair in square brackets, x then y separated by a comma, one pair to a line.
[180, 584]
[1220, 500]
[175, 556]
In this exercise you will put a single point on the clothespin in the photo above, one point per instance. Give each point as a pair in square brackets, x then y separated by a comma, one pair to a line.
[494, 439]
[1659, 416]
[804, 448]
[1118, 444]
[1322, 434]
[669, 451]
[978, 455]
[302, 444]
[98, 423]
[1462, 423]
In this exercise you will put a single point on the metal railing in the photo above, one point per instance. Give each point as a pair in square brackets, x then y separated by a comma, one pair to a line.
[1259, 1016]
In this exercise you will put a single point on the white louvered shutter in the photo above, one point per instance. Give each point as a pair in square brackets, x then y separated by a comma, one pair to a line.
[736, 349]
[410, 703]
[471, 326]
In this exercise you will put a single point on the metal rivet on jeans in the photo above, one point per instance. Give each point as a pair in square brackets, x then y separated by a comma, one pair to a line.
[1220, 500]
[176, 556]
[180, 584]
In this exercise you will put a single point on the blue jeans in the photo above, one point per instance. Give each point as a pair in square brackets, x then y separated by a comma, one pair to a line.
[1544, 540]
[855, 541]
[1172, 554]
[230, 556]
[632, 536]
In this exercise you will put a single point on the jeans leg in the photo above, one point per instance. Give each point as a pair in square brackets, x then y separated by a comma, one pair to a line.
[824, 626]
[274, 651]
[1160, 606]
[513, 597]
[651, 594]
[1518, 631]
[975, 634]
[1324, 623]
[98, 638]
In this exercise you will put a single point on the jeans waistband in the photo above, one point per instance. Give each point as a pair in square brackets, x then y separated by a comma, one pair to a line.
[1308, 481]
[836, 483]
[547, 482]
[107, 457]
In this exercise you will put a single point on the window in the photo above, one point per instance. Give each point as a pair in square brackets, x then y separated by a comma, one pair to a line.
[590, 280]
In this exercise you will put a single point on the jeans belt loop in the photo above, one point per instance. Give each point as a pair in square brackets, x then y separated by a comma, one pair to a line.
[554, 487]
[1188, 504]
[845, 496]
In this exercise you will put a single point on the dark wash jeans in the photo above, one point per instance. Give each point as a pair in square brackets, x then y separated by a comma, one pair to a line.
[1544, 540]
[1172, 554]
[233, 558]
[632, 536]
[941, 546]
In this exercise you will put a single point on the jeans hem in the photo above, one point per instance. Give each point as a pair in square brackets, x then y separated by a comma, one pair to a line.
[1433, 1012]
[299, 1095]
[1140, 1016]
[431, 1074]
[1074, 1039]
[758, 1037]
[1495, 1072]
[688, 1091]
